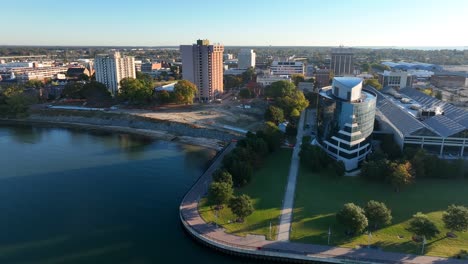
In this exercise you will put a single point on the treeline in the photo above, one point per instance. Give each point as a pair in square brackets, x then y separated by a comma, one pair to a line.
[288, 103]
[403, 168]
[250, 152]
[15, 101]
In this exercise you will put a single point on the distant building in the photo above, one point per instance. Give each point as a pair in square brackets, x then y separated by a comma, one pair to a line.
[246, 59]
[75, 72]
[26, 74]
[306, 86]
[150, 66]
[310, 70]
[138, 64]
[345, 120]
[403, 65]
[12, 65]
[395, 79]
[450, 79]
[112, 68]
[266, 80]
[234, 71]
[341, 63]
[322, 77]
[286, 67]
[202, 64]
[227, 56]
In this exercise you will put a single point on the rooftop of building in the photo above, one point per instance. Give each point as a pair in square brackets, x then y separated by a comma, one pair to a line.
[401, 109]
[349, 82]
[403, 65]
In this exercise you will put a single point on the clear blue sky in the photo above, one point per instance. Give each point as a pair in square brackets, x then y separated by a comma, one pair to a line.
[237, 22]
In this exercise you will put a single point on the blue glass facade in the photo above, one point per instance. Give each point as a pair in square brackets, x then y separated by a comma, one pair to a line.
[344, 127]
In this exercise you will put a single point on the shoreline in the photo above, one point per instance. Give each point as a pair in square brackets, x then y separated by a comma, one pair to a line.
[154, 134]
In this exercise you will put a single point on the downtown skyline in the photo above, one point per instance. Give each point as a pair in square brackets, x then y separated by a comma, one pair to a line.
[239, 23]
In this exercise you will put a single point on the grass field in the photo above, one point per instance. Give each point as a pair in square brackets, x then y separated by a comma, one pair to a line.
[319, 197]
[266, 190]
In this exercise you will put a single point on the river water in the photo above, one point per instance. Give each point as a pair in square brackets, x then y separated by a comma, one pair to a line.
[73, 196]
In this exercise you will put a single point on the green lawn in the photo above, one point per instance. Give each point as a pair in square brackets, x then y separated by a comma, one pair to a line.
[319, 197]
[266, 190]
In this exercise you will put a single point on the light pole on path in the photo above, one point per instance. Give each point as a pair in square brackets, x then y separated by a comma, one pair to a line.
[216, 218]
[423, 244]
[270, 230]
[329, 234]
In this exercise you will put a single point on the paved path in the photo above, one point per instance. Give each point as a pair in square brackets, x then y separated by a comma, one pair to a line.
[256, 244]
[284, 228]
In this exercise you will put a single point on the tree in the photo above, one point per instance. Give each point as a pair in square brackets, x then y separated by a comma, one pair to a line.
[135, 91]
[297, 78]
[376, 170]
[163, 97]
[438, 95]
[241, 206]
[96, 91]
[245, 93]
[338, 167]
[34, 83]
[222, 175]
[274, 114]
[248, 75]
[184, 91]
[73, 90]
[219, 193]
[272, 136]
[456, 218]
[14, 102]
[232, 81]
[377, 213]
[280, 89]
[400, 175]
[353, 218]
[418, 163]
[295, 114]
[421, 225]
[374, 83]
[296, 100]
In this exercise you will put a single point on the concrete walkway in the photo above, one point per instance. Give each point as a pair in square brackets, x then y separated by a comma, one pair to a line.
[284, 227]
[258, 245]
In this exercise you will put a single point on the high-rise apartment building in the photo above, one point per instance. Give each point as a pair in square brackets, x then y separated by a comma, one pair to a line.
[342, 61]
[246, 59]
[112, 68]
[202, 64]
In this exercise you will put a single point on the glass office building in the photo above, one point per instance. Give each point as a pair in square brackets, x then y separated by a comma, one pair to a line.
[345, 120]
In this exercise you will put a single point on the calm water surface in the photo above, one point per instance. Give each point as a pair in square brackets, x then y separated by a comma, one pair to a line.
[71, 196]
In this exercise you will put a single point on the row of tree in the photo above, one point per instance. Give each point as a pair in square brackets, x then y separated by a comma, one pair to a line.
[15, 102]
[250, 153]
[221, 192]
[376, 214]
[403, 168]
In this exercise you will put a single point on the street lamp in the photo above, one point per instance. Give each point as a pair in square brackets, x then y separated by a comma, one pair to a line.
[423, 244]
[329, 234]
[369, 239]
[270, 230]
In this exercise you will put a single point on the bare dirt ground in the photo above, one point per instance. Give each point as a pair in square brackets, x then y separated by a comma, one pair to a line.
[215, 115]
